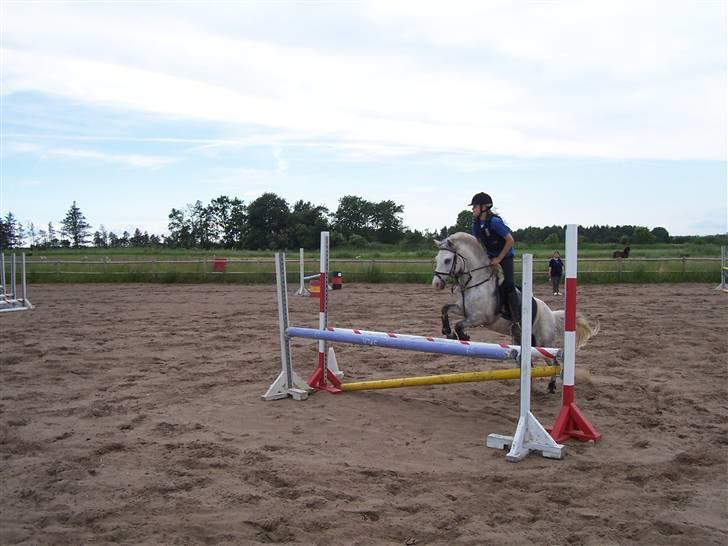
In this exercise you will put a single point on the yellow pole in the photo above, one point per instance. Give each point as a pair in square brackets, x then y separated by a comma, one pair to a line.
[464, 377]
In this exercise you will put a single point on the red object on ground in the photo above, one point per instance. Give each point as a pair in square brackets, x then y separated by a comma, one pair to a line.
[571, 422]
[318, 379]
[321, 374]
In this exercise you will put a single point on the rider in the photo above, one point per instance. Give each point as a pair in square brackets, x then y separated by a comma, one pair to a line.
[498, 241]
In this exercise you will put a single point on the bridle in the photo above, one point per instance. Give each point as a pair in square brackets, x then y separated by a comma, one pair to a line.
[464, 274]
[463, 278]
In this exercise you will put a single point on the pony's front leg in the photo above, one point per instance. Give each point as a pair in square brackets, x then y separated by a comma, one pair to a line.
[460, 330]
[446, 330]
[465, 323]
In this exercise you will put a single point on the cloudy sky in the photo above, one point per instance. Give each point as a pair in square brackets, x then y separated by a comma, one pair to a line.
[585, 111]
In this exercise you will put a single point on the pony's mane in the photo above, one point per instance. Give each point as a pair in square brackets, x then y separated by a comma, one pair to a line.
[466, 242]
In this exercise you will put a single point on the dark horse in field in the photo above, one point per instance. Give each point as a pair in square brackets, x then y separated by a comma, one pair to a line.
[621, 253]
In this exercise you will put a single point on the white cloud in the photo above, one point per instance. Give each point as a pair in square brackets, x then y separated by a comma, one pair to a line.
[22, 147]
[617, 80]
[281, 165]
[132, 160]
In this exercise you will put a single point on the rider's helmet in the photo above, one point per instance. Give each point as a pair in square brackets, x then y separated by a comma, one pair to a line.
[481, 199]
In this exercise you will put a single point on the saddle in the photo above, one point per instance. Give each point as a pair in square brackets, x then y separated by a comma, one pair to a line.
[502, 303]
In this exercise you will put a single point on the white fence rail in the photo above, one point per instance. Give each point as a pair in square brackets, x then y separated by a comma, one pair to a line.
[242, 267]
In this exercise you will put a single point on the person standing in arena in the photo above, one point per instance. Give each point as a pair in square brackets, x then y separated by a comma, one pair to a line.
[556, 269]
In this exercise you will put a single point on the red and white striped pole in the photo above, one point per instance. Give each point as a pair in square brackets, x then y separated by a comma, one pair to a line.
[571, 422]
[322, 373]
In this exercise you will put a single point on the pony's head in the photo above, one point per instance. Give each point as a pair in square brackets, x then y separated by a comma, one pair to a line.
[456, 255]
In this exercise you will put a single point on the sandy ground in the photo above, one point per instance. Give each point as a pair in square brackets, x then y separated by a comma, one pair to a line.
[132, 414]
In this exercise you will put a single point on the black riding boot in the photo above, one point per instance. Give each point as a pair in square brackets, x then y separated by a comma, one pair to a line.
[514, 303]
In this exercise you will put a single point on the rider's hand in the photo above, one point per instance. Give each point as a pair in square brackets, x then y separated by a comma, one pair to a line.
[495, 261]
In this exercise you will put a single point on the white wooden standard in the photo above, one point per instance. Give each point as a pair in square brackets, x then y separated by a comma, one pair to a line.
[9, 300]
[288, 383]
[530, 435]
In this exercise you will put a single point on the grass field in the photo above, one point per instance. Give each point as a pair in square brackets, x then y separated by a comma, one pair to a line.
[375, 250]
[653, 263]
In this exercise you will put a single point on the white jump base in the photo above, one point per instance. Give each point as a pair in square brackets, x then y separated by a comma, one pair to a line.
[9, 298]
[723, 270]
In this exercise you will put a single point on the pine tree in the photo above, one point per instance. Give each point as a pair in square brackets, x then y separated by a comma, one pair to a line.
[75, 226]
[8, 231]
[53, 241]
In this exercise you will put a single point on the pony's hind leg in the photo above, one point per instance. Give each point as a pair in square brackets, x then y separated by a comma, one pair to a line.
[552, 386]
[446, 329]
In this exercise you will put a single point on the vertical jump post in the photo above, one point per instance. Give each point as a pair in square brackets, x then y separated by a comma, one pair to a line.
[571, 422]
[302, 290]
[723, 270]
[288, 383]
[3, 286]
[324, 377]
[530, 435]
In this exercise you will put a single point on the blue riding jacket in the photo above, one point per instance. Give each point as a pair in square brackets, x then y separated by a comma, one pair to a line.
[492, 235]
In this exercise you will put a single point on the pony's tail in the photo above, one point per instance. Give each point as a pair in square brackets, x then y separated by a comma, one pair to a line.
[584, 330]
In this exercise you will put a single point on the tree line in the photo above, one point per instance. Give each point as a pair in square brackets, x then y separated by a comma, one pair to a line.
[270, 222]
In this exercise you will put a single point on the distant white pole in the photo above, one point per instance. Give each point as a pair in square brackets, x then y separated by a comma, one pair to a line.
[3, 288]
[302, 290]
[25, 289]
[12, 278]
[301, 267]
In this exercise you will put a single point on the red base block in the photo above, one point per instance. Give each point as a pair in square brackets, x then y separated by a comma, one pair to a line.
[318, 381]
[571, 423]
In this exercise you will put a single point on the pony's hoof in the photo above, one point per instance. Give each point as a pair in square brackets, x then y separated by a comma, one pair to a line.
[451, 335]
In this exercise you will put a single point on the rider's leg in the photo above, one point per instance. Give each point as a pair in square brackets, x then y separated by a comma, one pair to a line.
[514, 303]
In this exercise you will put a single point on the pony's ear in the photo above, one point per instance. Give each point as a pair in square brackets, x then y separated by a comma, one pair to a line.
[437, 242]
